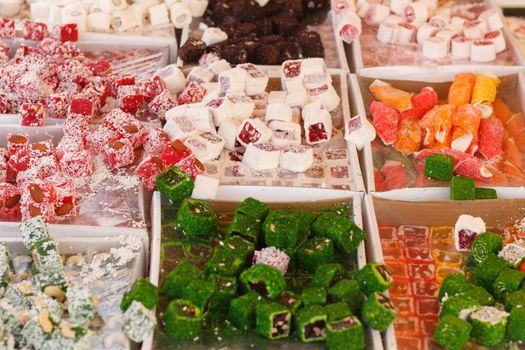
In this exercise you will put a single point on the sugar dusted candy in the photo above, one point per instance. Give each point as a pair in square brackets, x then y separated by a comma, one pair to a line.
[395, 98]
[242, 106]
[173, 77]
[66, 32]
[96, 139]
[161, 103]
[32, 114]
[285, 133]
[76, 164]
[119, 153]
[278, 111]
[117, 117]
[36, 31]
[349, 27]
[439, 166]
[273, 321]
[253, 131]
[490, 138]
[452, 332]
[513, 254]
[148, 170]
[38, 199]
[76, 126]
[345, 234]
[262, 156]
[348, 330]
[325, 93]
[273, 257]
[483, 51]
[202, 118]
[416, 12]
[7, 28]
[180, 128]
[173, 153]
[296, 158]
[435, 48]
[292, 75]
[515, 330]
[221, 109]
[10, 196]
[205, 187]
[466, 229]
[199, 75]
[266, 276]
[256, 79]
[228, 131]
[56, 105]
[134, 132]
[378, 312]
[192, 93]
[488, 325]
[213, 36]
[205, 146]
[138, 322]
[317, 124]
[359, 131]
[492, 18]
[374, 277]
[233, 81]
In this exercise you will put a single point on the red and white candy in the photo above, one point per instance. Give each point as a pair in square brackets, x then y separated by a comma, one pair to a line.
[253, 131]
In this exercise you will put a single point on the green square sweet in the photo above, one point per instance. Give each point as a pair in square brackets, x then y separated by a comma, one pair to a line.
[515, 328]
[345, 334]
[459, 305]
[462, 188]
[200, 292]
[374, 277]
[272, 320]
[196, 218]
[182, 320]
[337, 311]
[487, 272]
[291, 300]
[484, 244]
[439, 166]
[230, 257]
[481, 295]
[175, 184]
[515, 299]
[344, 232]
[452, 332]
[378, 312]
[264, 279]
[245, 227]
[310, 324]
[305, 220]
[253, 208]
[327, 274]
[178, 278]
[142, 291]
[489, 325]
[453, 284]
[225, 291]
[508, 280]
[281, 230]
[242, 310]
[486, 193]
[313, 295]
[348, 291]
[315, 252]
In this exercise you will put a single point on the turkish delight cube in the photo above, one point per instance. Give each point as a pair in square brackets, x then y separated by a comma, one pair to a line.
[98, 138]
[374, 277]
[272, 320]
[139, 322]
[76, 126]
[174, 152]
[183, 320]
[10, 197]
[452, 332]
[76, 164]
[81, 105]
[193, 93]
[161, 103]
[174, 184]
[155, 140]
[378, 312]
[196, 218]
[310, 323]
[36, 31]
[32, 114]
[66, 32]
[263, 279]
[80, 304]
[142, 291]
[148, 170]
[56, 105]
[7, 28]
[134, 132]
[130, 98]
[16, 142]
[38, 199]
[119, 153]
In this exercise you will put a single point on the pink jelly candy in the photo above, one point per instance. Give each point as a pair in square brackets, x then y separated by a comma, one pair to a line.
[35, 31]
[10, 197]
[152, 87]
[99, 67]
[155, 141]
[7, 28]
[193, 93]
[76, 164]
[421, 104]
[148, 170]
[118, 79]
[119, 153]
[66, 32]
[134, 131]
[17, 142]
[130, 98]
[173, 153]
[77, 126]
[56, 105]
[81, 105]
[385, 121]
[395, 175]
[163, 102]
[68, 144]
[98, 138]
[38, 199]
[117, 117]
[490, 137]
[33, 114]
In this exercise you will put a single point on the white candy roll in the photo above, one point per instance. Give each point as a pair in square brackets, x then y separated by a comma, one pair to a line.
[75, 13]
[123, 20]
[205, 187]
[483, 51]
[214, 143]
[424, 32]
[475, 29]
[406, 33]
[312, 81]
[105, 6]
[243, 106]
[218, 67]
[278, 111]
[285, 133]
[180, 15]
[314, 65]
[292, 75]
[39, 11]
[492, 18]
[359, 131]
[435, 48]
[456, 20]
[296, 158]
[9, 8]
[119, 5]
[158, 15]
[148, 3]
[99, 22]
[262, 156]
[455, 28]
[180, 128]
[55, 14]
[363, 9]
[297, 99]
[349, 27]
[497, 38]
[228, 131]
[398, 6]
[253, 131]
[256, 79]
[199, 147]
[221, 109]
[140, 12]
[377, 14]
[198, 7]
[439, 21]
[446, 34]
[311, 109]
[176, 112]
[202, 118]
[318, 128]
[233, 81]
[393, 20]
[460, 47]
[327, 95]
[416, 12]
[173, 77]
[200, 75]
[387, 33]
[277, 96]
[341, 6]
[213, 35]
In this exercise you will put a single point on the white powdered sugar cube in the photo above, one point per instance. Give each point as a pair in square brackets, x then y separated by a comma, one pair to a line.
[205, 146]
[233, 81]
[173, 77]
[278, 111]
[221, 109]
[326, 94]
[256, 80]
[292, 75]
[180, 128]
[359, 131]
[296, 158]
[177, 111]
[205, 187]
[313, 66]
[318, 127]
[261, 156]
[513, 253]
[228, 131]
[218, 67]
[213, 35]
[200, 75]
[312, 81]
[202, 118]
[297, 99]
[138, 322]
[277, 97]
[285, 133]
[243, 106]
[273, 257]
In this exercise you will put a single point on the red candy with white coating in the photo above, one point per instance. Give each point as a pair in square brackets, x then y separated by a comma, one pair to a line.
[76, 125]
[116, 118]
[191, 166]
[66, 32]
[7, 28]
[56, 105]
[130, 98]
[385, 121]
[148, 170]
[17, 142]
[193, 93]
[155, 141]
[81, 105]
[10, 197]
[32, 114]
[35, 31]
[38, 199]
[163, 102]
[173, 153]
[134, 132]
[76, 164]
[119, 153]
[98, 138]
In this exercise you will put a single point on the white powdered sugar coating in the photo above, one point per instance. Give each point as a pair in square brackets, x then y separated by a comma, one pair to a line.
[490, 314]
[273, 257]
[513, 253]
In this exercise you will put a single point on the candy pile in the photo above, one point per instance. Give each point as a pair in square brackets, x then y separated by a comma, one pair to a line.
[440, 31]
[475, 128]
[260, 289]
[262, 32]
[492, 309]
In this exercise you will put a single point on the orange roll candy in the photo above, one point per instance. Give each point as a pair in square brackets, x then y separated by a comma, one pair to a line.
[460, 91]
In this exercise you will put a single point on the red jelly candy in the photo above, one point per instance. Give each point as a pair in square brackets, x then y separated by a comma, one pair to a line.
[148, 170]
[38, 199]
[41, 149]
[99, 67]
[191, 166]
[249, 133]
[66, 197]
[68, 144]
[118, 79]
[46, 166]
[76, 164]
[173, 153]
[130, 98]
[317, 133]
[5, 49]
[193, 93]
[48, 46]
[32, 114]
[119, 153]
[421, 104]
[3, 170]
[18, 162]
[379, 181]
[7, 28]
[66, 32]
[155, 141]
[163, 102]
[385, 121]
[56, 106]
[35, 31]
[16, 142]
[152, 87]
[22, 51]
[135, 132]
[117, 117]
[490, 138]
[98, 138]
[76, 126]
[10, 197]
[81, 105]
[395, 175]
